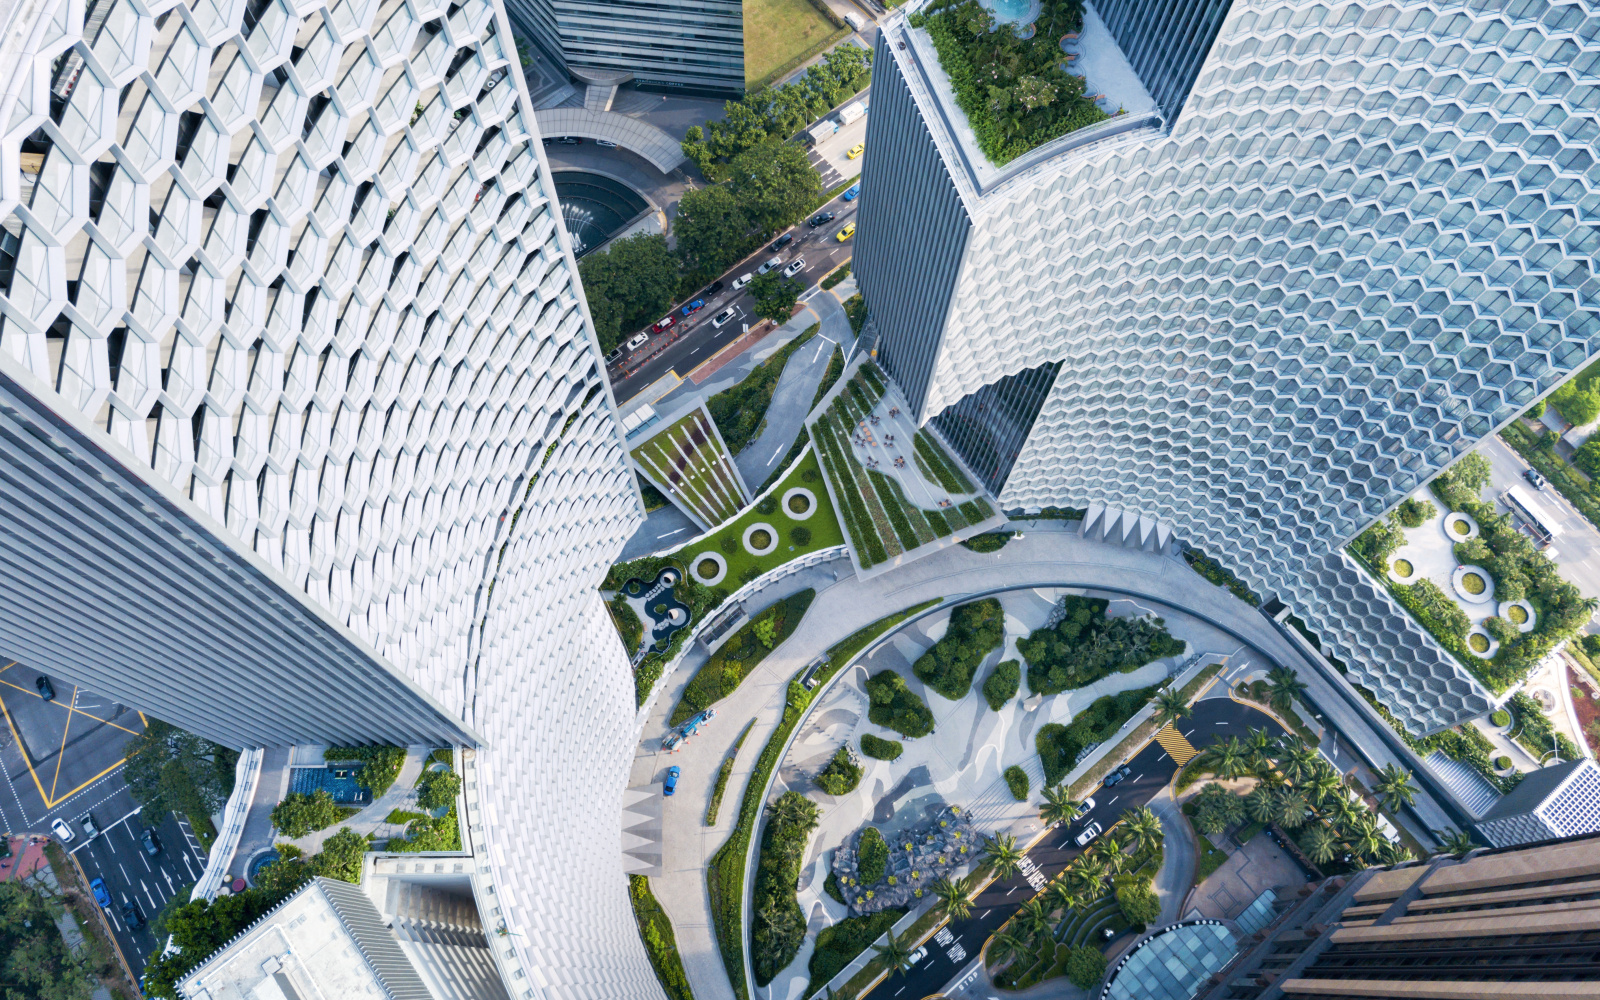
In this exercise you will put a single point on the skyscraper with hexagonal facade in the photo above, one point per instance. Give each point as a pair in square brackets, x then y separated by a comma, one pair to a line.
[1261, 302]
[304, 431]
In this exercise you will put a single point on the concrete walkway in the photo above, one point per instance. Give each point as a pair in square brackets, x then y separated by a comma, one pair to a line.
[401, 795]
[271, 786]
[791, 401]
[1172, 882]
[1051, 554]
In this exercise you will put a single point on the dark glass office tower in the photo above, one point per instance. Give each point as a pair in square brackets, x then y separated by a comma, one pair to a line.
[989, 427]
[689, 45]
[1166, 41]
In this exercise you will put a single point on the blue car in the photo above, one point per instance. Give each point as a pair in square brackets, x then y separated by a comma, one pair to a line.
[101, 896]
[694, 307]
[671, 784]
[854, 192]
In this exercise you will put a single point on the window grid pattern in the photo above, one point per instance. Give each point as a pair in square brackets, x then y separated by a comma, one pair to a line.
[299, 263]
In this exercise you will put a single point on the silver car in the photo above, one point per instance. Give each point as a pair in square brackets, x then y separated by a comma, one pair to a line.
[1089, 833]
[769, 265]
[795, 268]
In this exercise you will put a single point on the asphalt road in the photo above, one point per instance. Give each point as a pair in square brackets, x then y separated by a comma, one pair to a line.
[131, 875]
[693, 341]
[1577, 549]
[1151, 768]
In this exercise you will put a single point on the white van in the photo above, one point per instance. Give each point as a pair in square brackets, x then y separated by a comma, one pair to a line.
[637, 341]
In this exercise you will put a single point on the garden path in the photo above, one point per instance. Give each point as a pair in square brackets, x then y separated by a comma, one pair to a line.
[402, 794]
[1052, 553]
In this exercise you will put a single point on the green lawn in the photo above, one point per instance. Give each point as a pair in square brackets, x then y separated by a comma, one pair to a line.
[742, 566]
[781, 34]
[706, 483]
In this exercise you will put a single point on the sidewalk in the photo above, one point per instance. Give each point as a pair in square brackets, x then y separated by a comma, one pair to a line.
[402, 794]
[271, 786]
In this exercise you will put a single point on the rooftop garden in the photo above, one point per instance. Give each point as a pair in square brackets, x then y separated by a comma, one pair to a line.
[689, 463]
[1017, 93]
[801, 524]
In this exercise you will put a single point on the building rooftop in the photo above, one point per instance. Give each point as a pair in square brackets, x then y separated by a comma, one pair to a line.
[325, 941]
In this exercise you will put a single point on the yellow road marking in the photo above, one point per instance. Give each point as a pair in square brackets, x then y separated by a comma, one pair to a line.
[49, 802]
[1172, 741]
[73, 710]
[61, 754]
[18, 738]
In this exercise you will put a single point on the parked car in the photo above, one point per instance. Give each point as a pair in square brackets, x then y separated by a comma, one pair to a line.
[607, 143]
[918, 955]
[1116, 777]
[1089, 833]
[570, 140]
[853, 193]
[848, 231]
[637, 341]
[671, 784]
[716, 286]
[1531, 475]
[821, 219]
[1088, 806]
[152, 846]
[781, 242]
[664, 323]
[694, 307]
[88, 824]
[131, 916]
[101, 896]
[856, 150]
[743, 280]
[47, 691]
[795, 267]
[721, 319]
[62, 831]
[769, 265]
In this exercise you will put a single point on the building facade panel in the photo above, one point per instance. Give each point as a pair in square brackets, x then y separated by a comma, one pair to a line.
[299, 395]
[695, 45]
[1363, 246]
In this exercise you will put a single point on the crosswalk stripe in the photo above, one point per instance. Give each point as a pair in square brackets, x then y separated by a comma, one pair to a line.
[1180, 749]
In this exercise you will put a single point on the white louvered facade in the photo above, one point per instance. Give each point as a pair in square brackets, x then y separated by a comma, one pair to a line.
[301, 403]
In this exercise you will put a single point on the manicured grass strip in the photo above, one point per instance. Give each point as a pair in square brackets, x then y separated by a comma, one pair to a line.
[1210, 858]
[892, 508]
[740, 411]
[655, 930]
[948, 473]
[837, 275]
[863, 538]
[722, 776]
[726, 871]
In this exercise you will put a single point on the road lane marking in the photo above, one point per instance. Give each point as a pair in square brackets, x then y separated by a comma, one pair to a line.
[674, 531]
[774, 454]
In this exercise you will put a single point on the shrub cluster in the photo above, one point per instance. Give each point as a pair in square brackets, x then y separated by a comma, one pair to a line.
[1535, 732]
[379, 765]
[721, 675]
[1002, 685]
[897, 707]
[1214, 571]
[299, 814]
[1086, 646]
[989, 541]
[948, 474]
[1060, 746]
[1086, 966]
[1413, 513]
[1139, 903]
[655, 930]
[838, 945]
[948, 665]
[627, 622]
[881, 749]
[872, 856]
[841, 776]
[1017, 781]
[778, 925]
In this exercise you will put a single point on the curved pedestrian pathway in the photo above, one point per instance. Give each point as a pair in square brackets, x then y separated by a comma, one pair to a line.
[1050, 554]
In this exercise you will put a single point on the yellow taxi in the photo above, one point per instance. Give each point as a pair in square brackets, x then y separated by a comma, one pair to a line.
[848, 231]
[857, 149]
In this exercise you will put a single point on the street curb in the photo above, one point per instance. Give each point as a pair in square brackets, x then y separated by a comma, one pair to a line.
[105, 925]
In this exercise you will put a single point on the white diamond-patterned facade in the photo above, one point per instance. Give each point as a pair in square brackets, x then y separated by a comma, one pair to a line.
[286, 302]
[1365, 242]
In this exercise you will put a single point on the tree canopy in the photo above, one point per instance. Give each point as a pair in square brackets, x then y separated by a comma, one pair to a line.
[949, 664]
[34, 961]
[170, 770]
[1085, 646]
[774, 296]
[628, 285]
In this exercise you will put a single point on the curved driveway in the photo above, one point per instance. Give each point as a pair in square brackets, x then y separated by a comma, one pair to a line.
[1051, 555]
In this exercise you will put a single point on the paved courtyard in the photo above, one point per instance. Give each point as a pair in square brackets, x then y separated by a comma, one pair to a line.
[1249, 871]
[886, 442]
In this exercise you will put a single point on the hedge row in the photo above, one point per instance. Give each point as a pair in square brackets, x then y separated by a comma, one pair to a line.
[863, 535]
[721, 675]
[949, 475]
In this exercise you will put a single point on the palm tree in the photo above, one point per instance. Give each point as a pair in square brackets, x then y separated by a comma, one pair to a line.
[1260, 748]
[895, 952]
[1392, 853]
[1226, 757]
[1058, 807]
[1363, 838]
[1324, 785]
[1454, 841]
[1291, 809]
[1298, 762]
[1003, 855]
[1346, 810]
[1261, 805]
[1320, 844]
[1033, 919]
[1087, 873]
[796, 810]
[953, 896]
[1005, 946]
[1063, 897]
[783, 926]
[1286, 687]
[1143, 827]
[1394, 786]
[1170, 706]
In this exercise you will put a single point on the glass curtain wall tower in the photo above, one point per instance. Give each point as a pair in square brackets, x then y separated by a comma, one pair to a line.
[692, 45]
[304, 431]
[1280, 302]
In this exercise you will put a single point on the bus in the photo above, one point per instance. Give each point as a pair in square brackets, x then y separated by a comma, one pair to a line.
[1533, 515]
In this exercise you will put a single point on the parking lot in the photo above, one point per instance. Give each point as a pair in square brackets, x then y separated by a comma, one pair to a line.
[61, 759]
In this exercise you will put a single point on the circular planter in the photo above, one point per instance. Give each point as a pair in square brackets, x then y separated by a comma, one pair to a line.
[799, 496]
[1503, 764]
[1509, 608]
[1402, 570]
[1458, 527]
[772, 538]
[1490, 646]
[1481, 592]
[708, 579]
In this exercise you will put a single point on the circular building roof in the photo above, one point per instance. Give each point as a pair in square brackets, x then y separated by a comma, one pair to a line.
[1173, 963]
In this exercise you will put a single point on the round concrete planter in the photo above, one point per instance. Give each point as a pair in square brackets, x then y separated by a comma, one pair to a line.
[1397, 576]
[1494, 647]
[1458, 582]
[1504, 611]
[809, 497]
[1452, 531]
[772, 538]
[714, 578]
